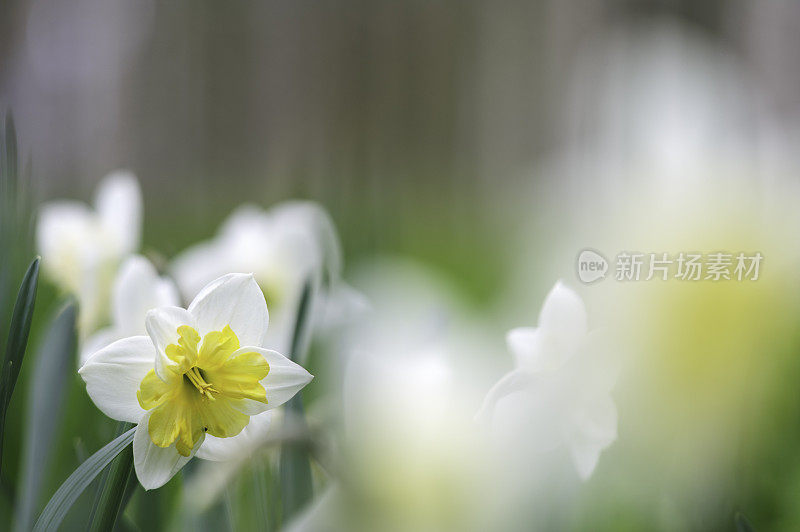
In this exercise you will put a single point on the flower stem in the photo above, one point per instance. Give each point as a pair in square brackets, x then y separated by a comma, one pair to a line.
[295, 467]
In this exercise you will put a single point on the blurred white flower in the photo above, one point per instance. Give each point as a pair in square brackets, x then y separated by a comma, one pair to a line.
[410, 456]
[410, 452]
[201, 384]
[559, 392]
[284, 247]
[82, 247]
[137, 289]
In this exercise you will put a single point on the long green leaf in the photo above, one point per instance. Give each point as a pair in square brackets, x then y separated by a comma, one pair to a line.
[71, 489]
[15, 221]
[302, 324]
[17, 342]
[109, 502]
[45, 403]
[295, 467]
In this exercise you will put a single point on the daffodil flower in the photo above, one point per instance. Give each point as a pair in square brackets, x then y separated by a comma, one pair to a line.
[137, 289]
[199, 384]
[559, 392]
[284, 246]
[82, 247]
[415, 467]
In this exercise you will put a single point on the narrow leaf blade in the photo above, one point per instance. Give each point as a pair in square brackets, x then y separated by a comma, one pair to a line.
[17, 342]
[20, 328]
[15, 222]
[109, 502]
[45, 403]
[71, 489]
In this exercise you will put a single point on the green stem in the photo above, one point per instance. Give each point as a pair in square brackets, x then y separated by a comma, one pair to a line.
[295, 467]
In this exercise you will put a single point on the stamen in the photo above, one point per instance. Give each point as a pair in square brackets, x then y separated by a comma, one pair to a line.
[196, 378]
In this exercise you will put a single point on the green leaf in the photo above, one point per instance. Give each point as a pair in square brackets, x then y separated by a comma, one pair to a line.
[295, 467]
[109, 502]
[53, 367]
[15, 221]
[301, 325]
[17, 342]
[71, 489]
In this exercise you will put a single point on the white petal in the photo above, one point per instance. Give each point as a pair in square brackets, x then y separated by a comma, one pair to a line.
[57, 216]
[98, 341]
[284, 380]
[162, 326]
[585, 455]
[597, 364]
[529, 419]
[253, 435]
[199, 265]
[595, 428]
[563, 319]
[156, 465]
[113, 375]
[340, 306]
[137, 289]
[597, 420]
[63, 230]
[246, 219]
[119, 204]
[236, 300]
[312, 221]
[531, 350]
[166, 293]
[510, 382]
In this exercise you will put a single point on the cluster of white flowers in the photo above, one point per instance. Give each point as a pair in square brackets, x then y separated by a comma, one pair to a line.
[203, 380]
[199, 381]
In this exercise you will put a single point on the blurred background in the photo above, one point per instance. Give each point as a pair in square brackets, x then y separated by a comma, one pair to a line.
[401, 113]
[490, 141]
[404, 113]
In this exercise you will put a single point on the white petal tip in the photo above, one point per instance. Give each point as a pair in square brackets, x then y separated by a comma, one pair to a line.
[562, 288]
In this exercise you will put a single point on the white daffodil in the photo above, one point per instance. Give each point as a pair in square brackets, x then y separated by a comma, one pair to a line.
[559, 393]
[137, 289]
[200, 384]
[284, 247]
[82, 247]
[415, 468]
[405, 433]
